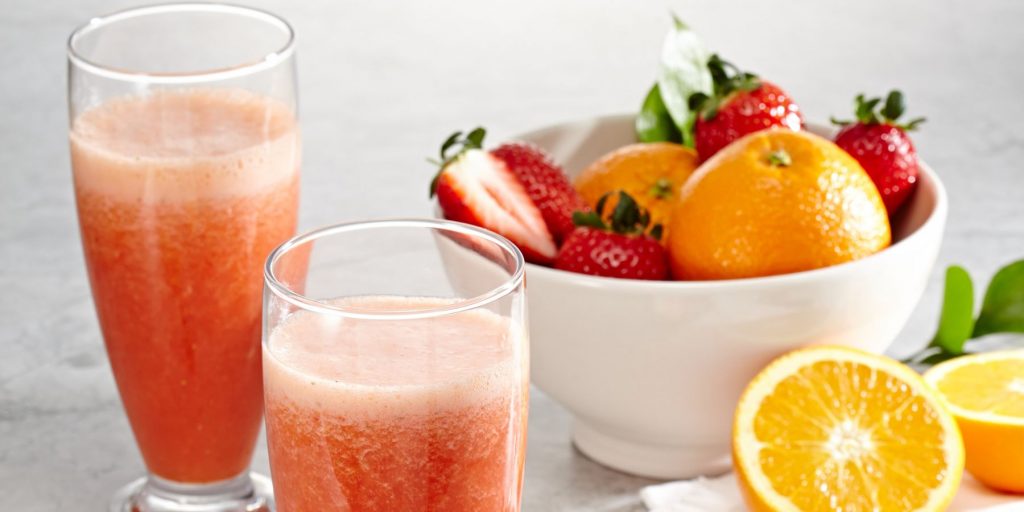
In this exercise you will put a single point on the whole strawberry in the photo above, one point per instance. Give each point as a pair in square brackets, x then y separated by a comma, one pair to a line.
[741, 103]
[623, 249]
[882, 147]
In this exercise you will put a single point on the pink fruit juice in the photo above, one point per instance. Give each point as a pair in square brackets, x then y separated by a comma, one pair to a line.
[410, 415]
[181, 196]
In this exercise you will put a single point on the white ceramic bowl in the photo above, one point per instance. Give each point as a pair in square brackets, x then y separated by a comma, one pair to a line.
[651, 371]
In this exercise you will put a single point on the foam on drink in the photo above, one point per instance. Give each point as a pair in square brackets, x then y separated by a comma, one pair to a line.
[184, 144]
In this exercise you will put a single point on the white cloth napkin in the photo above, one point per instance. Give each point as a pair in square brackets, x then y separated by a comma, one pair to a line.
[721, 494]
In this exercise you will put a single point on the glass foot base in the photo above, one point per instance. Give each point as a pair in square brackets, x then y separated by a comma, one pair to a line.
[249, 492]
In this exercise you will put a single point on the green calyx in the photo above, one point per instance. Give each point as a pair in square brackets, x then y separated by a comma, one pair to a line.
[627, 218]
[662, 189]
[460, 144]
[867, 111]
[779, 158]
[727, 79]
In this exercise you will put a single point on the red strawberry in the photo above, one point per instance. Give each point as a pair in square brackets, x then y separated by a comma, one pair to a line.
[621, 250]
[545, 183]
[882, 146]
[477, 188]
[741, 104]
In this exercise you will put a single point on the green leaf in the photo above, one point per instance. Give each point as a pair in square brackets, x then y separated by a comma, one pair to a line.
[654, 123]
[683, 71]
[475, 138]
[957, 319]
[913, 124]
[433, 184]
[936, 358]
[626, 214]
[894, 105]
[657, 231]
[1003, 307]
[448, 143]
[678, 22]
[588, 219]
[601, 202]
[866, 109]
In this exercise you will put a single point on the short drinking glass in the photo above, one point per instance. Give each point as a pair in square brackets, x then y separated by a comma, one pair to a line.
[395, 364]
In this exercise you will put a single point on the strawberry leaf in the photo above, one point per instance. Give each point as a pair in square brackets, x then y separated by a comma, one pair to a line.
[912, 124]
[588, 219]
[603, 200]
[865, 112]
[683, 72]
[1003, 307]
[626, 214]
[726, 79]
[656, 231]
[839, 122]
[654, 123]
[626, 218]
[894, 106]
[449, 142]
[473, 140]
[433, 183]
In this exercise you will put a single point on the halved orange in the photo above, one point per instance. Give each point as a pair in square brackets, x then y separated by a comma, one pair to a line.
[985, 392]
[833, 428]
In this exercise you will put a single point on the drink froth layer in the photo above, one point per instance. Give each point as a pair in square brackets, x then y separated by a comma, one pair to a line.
[184, 145]
[375, 369]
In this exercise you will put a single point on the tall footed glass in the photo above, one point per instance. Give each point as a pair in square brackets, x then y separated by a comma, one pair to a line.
[396, 369]
[185, 155]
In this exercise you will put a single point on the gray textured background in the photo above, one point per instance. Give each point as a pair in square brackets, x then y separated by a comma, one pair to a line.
[382, 83]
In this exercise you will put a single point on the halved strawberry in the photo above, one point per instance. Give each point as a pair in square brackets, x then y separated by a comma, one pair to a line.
[477, 188]
[546, 184]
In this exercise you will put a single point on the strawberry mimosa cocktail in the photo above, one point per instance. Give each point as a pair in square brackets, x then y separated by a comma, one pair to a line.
[184, 184]
[385, 402]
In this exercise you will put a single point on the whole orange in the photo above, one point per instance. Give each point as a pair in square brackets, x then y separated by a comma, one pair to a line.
[652, 173]
[774, 202]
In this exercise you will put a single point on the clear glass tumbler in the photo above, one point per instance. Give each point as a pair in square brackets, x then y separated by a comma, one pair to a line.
[395, 366]
[185, 154]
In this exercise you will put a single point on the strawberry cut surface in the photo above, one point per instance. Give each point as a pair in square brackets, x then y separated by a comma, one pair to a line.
[478, 188]
[545, 183]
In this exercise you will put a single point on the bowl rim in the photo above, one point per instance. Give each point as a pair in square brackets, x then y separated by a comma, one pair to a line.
[937, 216]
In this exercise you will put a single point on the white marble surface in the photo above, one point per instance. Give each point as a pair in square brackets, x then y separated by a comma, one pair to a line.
[382, 83]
